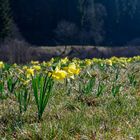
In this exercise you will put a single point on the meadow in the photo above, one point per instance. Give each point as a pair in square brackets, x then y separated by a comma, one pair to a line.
[62, 99]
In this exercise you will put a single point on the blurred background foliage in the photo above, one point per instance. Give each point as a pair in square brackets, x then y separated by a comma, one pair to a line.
[75, 22]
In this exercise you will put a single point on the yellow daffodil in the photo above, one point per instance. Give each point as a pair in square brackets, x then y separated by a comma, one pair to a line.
[59, 74]
[25, 68]
[109, 62]
[48, 64]
[34, 62]
[72, 69]
[14, 65]
[64, 61]
[37, 67]
[44, 63]
[1, 65]
[129, 60]
[29, 72]
[88, 62]
[52, 60]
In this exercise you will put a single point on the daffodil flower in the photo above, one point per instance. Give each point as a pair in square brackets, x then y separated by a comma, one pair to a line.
[29, 72]
[59, 75]
[1, 65]
[37, 67]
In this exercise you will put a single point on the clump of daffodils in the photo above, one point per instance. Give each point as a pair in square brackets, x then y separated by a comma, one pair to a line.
[61, 69]
[88, 62]
[72, 70]
[34, 62]
[62, 72]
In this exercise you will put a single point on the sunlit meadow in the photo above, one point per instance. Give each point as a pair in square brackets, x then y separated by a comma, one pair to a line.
[64, 99]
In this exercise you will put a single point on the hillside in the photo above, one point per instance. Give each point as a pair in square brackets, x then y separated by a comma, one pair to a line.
[82, 52]
[77, 22]
[22, 52]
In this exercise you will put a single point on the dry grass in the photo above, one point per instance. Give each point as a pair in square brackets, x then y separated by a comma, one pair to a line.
[69, 117]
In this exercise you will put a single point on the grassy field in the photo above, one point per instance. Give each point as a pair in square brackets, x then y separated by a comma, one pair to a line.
[89, 100]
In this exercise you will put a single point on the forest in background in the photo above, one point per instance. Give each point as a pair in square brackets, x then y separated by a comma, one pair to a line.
[73, 22]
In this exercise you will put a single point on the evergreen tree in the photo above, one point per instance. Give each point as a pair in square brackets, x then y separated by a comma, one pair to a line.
[5, 19]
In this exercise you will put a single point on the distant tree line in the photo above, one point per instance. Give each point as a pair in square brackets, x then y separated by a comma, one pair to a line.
[5, 19]
[68, 22]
